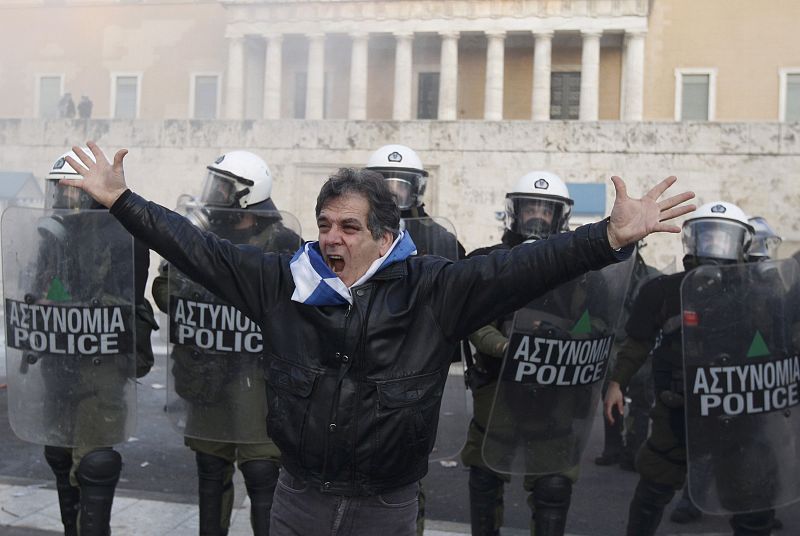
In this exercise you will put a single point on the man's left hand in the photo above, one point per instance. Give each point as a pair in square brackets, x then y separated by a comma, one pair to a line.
[633, 219]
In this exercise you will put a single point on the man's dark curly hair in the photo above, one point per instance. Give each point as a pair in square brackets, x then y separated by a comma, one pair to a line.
[383, 212]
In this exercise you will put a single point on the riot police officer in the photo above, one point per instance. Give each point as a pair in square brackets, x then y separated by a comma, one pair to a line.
[765, 242]
[763, 247]
[407, 179]
[538, 207]
[402, 169]
[718, 233]
[87, 473]
[222, 387]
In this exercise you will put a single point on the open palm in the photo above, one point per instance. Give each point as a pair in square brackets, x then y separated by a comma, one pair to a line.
[102, 180]
[633, 219]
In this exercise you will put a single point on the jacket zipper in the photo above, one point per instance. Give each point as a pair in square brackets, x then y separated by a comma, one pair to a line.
[334, 407]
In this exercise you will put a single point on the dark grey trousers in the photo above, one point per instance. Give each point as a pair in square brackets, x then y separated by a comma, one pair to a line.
[299, 509]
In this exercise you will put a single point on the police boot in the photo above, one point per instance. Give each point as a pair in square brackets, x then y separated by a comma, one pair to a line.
[549, 503]
[69, 497]
[647, 507]
[212, 485]
[260, 478]
[97, 475]
[612, 442]
[485, 502]
[753, 524]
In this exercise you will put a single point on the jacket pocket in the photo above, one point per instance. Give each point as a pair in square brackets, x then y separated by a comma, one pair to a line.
[289, 396]
[407, 413]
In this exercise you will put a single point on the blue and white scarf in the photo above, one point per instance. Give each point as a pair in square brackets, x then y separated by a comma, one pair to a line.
[316, 284]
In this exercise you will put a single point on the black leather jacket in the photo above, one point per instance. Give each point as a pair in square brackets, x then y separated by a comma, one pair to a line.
[354, 392]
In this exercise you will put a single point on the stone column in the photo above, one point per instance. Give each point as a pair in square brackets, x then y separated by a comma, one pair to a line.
[234, 85]
[448, 77]
[633, 78]
[542, 61]
[403, 64]
[273, 72]
[590, 76]
[315, 81]
[495, 58]
[358, 76]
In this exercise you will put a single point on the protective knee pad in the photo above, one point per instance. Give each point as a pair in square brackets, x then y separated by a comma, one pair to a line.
[647, 507]
[485, 502]
[260, 478]
[552, 490]
[69, 498]
[210, 466]
[260, 474]
[99, 468]
[97, 475]
[549, 501]
[753, 524]
[212, 474]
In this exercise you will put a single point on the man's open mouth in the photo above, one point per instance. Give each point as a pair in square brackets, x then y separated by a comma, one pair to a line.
[336, 263]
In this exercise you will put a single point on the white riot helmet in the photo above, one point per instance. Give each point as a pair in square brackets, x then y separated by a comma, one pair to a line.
[402, 169]
[237, 179]
[539, 206]
[765, 241]
[67, 197]
[717, 232]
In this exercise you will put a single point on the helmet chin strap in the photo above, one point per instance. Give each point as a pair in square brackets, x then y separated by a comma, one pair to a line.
[691, 262]
[239, 195]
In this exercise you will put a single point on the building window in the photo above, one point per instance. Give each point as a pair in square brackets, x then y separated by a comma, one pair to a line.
[695, 94]
[565, 95]
[49, 89]
[125, 96]
[205, 96]
[428, 96]
[789, 109]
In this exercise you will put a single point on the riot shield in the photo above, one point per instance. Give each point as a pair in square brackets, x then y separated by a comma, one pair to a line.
[69, 320]
[552, 374]
[437, 236]
[741, 336]
[215, 387]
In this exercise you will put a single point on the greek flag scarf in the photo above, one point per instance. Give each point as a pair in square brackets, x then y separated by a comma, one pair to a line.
[316, 284]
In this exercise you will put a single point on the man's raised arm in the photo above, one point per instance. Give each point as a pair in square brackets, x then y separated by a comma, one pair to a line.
[232, 273]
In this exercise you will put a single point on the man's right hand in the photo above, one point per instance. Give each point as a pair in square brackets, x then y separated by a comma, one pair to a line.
[104, 181]
[613, 398]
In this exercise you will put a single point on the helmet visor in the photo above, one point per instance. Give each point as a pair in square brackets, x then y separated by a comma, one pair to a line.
[536, 217]
[406, 186]
[219, 191]
[715, 239]
[765, 241]
[66, 197]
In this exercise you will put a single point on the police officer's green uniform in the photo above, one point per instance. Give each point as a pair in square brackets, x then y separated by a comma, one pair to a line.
[203, 382]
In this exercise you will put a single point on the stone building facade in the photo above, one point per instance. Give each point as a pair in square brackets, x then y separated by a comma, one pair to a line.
[472, 163]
